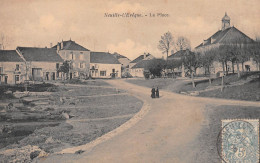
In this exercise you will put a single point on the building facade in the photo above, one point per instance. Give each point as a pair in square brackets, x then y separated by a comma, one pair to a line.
[145, 56]
[12, 67]
[104, 65]
[228, 35]
[77, 56]
[40, 63]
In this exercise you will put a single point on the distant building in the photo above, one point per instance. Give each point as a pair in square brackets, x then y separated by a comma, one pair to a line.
[41, 63]
[226, 36]
[122, 59]
[176, 57]
[137, 71]
[104, 65]
[145, 56]
[12, 67]
[78, 57]
[144, 65]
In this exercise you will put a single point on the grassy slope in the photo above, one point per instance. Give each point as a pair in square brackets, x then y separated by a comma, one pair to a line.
[249, 91]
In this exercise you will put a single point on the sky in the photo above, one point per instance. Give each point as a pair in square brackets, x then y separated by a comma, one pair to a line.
[37, 23]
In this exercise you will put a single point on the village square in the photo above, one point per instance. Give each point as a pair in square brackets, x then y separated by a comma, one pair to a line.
[64, 102]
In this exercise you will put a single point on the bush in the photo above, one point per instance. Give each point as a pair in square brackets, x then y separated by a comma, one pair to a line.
[147, 74]
[126, 75]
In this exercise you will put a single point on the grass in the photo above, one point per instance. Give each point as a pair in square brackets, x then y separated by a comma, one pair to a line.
[161, 83]
[83, 103]
[203, 84]
[249, 92]
[20, 87]
[93, 82]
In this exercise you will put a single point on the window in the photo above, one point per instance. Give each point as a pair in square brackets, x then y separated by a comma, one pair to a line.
[102, 73]
[17, 67]
[57, 65]
[81, 56]
[16, 78]
[81, 65]
[71, 56]
[1, 69]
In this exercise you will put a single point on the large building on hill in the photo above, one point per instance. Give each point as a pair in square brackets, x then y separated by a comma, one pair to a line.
[228, 35]
[77, 56]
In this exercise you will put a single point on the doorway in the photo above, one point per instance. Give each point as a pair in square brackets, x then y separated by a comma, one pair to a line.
[6, 79]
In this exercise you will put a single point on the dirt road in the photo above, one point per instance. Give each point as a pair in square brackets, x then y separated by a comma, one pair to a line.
[167, 133]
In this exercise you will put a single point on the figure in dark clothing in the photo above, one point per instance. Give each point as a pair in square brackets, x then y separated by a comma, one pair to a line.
[157, 93]
[153, 93]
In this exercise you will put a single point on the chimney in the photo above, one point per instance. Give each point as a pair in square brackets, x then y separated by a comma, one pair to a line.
[204, 42]
[58, 46]
[50, 45]
[61, 45]
[144, 55]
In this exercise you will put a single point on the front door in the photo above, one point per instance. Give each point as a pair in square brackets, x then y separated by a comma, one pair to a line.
[53, 76]
[47, 76]
[16, 79]
[36, 73]
[113, 73]
[6, 79]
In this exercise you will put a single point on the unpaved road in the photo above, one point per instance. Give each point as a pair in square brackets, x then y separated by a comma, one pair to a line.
[167, 133]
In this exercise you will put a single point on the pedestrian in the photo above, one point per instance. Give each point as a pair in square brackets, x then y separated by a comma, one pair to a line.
[157, 93]
[153, 92]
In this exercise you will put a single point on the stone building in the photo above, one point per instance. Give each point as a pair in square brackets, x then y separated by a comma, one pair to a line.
[40, 63]
[228, 35]
[77, 56]
[12, 67]
[104, 65]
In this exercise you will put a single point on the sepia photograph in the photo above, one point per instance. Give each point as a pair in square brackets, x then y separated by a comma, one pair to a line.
[135, 81]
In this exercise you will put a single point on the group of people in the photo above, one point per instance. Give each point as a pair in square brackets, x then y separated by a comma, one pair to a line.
[155, 93]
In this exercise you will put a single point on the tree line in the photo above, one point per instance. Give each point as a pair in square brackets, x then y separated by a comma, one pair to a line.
[235, 53]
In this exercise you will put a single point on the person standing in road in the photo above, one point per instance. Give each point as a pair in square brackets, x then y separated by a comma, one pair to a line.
[153, 92]
[157, 93]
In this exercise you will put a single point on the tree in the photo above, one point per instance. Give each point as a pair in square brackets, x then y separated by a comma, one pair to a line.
[65, 68]
[189, 61]
[207, 60]
[2, 47]
[166, 43]
[255, 53]
[224, 55]
[237, 55]
[155, 66]
[182, 43]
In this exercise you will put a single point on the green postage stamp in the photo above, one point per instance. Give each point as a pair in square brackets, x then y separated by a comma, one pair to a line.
[240, 141]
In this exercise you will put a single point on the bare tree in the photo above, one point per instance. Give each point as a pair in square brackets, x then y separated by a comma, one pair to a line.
[5, 41]
[207, 60]
[190, 61]
[166, 43]
[2, 43]
[182, 43]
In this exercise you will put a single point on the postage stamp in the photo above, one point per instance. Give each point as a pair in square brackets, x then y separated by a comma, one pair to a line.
[240, 141]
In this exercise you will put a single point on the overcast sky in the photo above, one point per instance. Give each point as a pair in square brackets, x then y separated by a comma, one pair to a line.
[41, 22]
